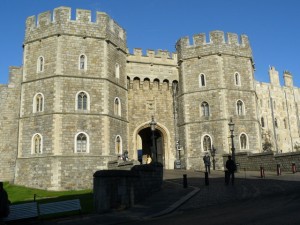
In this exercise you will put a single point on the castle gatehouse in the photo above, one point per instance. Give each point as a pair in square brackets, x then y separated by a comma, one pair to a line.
[81, 99]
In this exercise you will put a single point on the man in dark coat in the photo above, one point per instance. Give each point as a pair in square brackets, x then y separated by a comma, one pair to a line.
[231, 167]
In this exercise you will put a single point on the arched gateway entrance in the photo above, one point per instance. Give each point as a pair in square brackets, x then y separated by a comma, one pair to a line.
[147, 147]
[143, 144]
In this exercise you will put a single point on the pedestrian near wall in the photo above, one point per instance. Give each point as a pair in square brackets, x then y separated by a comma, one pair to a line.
[231, 168]
[206, 160]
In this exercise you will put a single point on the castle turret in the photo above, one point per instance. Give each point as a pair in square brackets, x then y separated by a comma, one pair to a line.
[73, 90]
[288, 79]
[274, 76]
[216, 83]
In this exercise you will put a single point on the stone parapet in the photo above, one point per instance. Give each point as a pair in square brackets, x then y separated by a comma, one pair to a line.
[218, 44]
[62, 24]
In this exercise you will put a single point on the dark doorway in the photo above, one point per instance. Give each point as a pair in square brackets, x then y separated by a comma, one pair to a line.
[146, 136]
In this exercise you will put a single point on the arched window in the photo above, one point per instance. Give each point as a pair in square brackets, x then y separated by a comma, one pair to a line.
[262, 122]
[237, 79]
[118, 145]
[240, 107]
[205, 109]
[82, 62]
[117, 71]
[155, 85]
[81, 143]
[206, 146]
[202, 80]
[38, 103]
[37, 144]
[285, 123]
[243, 141]
[117, 107]
[82, 101]
[40, 64]
[276, 122]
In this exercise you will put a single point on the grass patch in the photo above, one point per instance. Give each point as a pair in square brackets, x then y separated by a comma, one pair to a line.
[20, 194]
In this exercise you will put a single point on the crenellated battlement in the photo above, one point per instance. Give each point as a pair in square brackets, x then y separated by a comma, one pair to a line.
[59, 22]
[152, 56]
[217, 43]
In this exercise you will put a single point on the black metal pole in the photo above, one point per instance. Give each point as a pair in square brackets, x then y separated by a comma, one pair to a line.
[232, 146]
[154, 153]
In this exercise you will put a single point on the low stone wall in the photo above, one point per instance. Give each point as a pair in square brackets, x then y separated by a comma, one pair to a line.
[117, 189]
[268, 160]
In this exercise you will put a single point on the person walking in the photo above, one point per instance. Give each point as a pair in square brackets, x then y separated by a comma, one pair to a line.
[206, 160]
[231, 168]
[4, 202]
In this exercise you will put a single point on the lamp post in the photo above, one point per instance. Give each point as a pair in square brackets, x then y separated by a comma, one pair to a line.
[213, 154]
[177, 163]
[154, 152]
[231, 128]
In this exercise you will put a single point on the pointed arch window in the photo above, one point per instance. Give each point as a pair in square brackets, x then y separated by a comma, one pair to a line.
[38, 103]
[237, 79]
[240, 107]
[81, 143]
[37, 144]
[40, 64]
[205, 109]
[82, 62]
[202, 80]
[118, 145]
[207, 143]
[117, 107]
[82, 101]
[243, 141]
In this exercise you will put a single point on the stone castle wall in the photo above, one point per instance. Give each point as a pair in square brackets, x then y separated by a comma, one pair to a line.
[267, 160]
[59, 172]
[280, 103]
[10, 109]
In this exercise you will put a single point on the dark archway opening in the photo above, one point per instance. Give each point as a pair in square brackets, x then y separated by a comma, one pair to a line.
[146, 136]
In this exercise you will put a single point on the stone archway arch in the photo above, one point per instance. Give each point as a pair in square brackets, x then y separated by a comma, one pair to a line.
[166, 137]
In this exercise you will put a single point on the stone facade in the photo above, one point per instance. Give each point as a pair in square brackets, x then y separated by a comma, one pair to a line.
[81, 99]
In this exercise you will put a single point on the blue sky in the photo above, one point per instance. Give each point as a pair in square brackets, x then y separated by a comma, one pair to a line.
[271, 25]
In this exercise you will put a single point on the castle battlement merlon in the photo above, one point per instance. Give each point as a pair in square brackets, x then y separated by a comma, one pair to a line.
[152, 56]
[218, 43]
[61, 23]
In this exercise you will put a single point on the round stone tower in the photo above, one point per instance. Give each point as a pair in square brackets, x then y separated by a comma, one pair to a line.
[73, 90]
[216, 84]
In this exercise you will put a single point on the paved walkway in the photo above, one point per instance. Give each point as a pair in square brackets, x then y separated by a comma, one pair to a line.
[174, 197]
